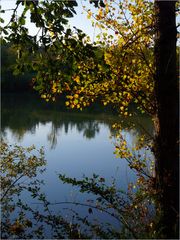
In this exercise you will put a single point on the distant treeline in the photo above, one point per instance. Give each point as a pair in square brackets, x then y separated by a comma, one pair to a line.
[20, 83]
[9, 81]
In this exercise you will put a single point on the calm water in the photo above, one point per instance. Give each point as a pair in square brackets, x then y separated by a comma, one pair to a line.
[75, 143]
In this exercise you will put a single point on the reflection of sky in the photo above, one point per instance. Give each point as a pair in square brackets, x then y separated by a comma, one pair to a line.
[81, 147]
[74, 154]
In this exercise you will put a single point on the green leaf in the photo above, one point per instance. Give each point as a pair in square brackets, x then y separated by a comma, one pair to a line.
[67, 13]
[1, 20]
[22, 21]
[76, 101]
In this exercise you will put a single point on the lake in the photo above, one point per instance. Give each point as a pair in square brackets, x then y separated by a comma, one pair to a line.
[75, 143]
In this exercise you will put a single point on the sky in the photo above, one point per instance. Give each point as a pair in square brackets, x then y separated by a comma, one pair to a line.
[79, 20]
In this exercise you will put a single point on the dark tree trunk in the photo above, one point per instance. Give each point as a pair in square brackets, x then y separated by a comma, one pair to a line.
[167, 119]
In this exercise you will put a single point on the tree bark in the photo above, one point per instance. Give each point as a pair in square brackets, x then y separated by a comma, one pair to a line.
[167, 118]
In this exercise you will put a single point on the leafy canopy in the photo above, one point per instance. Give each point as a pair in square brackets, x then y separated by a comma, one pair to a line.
[116, 69]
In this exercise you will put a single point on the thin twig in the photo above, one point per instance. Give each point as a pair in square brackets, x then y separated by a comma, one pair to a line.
[122, 219]
[16, 180]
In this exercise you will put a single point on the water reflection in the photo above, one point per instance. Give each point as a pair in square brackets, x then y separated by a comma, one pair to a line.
[23, 114]
[76, 143]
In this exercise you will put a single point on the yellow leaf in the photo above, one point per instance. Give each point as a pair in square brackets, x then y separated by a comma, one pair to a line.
[100, 12]
[43, 96]
[89, 14]
[133, 61]
[77, 79]
[76, 96]
[54, 89]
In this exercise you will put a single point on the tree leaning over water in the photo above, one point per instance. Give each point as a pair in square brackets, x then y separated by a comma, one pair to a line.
[116, 74]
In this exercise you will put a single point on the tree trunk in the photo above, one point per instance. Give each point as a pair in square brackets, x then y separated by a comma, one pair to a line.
[167, 118]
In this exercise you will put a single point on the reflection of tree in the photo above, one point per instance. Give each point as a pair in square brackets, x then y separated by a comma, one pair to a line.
[23, 113]
[91, 130]
[52, 136]
[19, 134]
